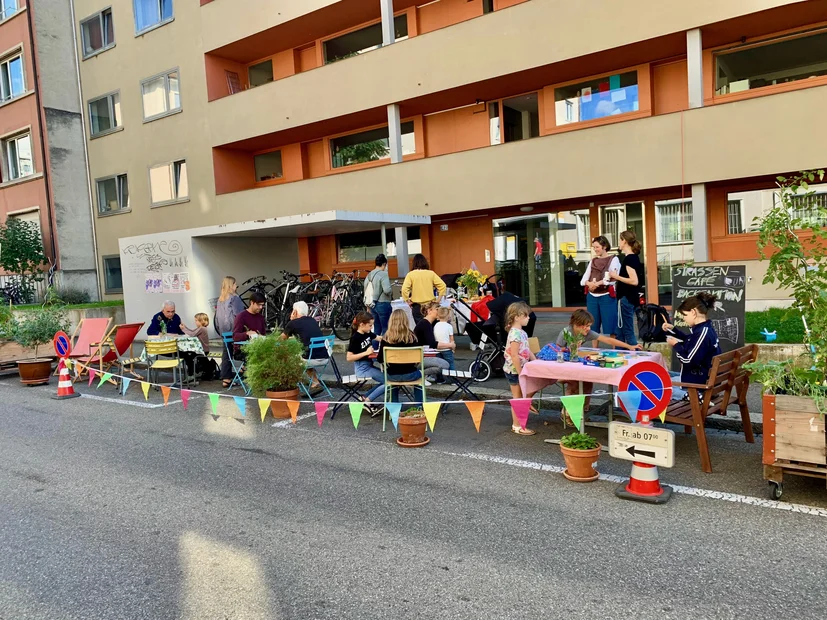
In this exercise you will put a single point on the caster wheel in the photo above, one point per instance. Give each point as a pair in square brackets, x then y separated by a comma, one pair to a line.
[481, 371]
[776, 490]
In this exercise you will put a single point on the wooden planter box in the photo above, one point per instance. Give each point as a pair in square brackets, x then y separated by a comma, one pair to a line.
[10, 352]
[794, 440]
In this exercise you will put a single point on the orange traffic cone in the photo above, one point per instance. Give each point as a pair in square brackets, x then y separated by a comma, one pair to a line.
[644, 485]
[65, 388]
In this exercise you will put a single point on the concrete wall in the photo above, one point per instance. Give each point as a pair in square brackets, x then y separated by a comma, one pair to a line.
[60, 97]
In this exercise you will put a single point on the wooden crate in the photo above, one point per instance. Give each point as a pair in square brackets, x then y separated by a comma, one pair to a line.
[799, 431]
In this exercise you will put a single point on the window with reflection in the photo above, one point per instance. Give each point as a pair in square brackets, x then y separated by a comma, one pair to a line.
[602, 97]
[362, 40]
[368, 146]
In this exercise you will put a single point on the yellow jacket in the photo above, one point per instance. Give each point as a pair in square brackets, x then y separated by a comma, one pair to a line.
[419, 286]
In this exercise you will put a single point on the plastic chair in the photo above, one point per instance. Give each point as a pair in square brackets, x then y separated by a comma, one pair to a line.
[236, 365]
[403, 355]
[319, 364]
[155, 349]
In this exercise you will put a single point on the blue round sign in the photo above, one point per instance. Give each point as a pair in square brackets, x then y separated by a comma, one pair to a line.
[654, 384]
[62, 344]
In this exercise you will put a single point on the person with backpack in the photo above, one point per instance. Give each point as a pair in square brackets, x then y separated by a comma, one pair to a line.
[629, 286]
[378, 294]
[600, 298]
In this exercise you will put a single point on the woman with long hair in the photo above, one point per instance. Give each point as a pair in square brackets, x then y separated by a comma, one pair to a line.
[229, 306]
[359, 350]
[629, 286]
[600, 299]
[399, 334]
[418, 287]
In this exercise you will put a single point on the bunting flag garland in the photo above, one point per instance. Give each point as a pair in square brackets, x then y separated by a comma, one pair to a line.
[631, 402]
[521, 408]
[356, 412]
[145, 388]
[91, 376]
[662, 416]
[241, 403]
[165, 391]
[185, 398]
[263, 406]
[574, 407]
[321, 409]
[293, 406]
[106, 377]
[431, 412]
[393, 410]
[475, 409]
[126, 382]
[214, 404]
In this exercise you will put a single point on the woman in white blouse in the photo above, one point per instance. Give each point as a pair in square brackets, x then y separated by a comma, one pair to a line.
[600, 296]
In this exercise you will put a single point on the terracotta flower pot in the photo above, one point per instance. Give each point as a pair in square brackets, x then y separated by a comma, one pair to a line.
[34, 372]
[279, 408]
[412, 430]
[580, 464]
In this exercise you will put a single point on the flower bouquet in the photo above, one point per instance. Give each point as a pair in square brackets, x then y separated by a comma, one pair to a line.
[471, 281]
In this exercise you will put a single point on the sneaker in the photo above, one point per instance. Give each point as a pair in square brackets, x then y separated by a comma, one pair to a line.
[428, 383]
[473, 347]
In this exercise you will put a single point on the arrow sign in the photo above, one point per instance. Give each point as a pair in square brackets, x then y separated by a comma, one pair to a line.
[635, 450]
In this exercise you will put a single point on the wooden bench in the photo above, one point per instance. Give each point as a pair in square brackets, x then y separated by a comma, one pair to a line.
[727, 377]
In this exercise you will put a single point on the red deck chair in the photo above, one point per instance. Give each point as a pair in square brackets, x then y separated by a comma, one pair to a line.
[116, 348]
[88, 336]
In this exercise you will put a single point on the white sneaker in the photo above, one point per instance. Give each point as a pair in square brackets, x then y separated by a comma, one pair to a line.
[428, 383]
[473, 347]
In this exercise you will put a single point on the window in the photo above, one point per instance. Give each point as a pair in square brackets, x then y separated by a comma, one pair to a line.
[361, 41]
[674, 221]
[18, 153]
[778, 62]
[112, 278]
[151, 13]
[811, 209]
[113, 194]
[521, 118]
[584, 236]
[487, 6]
[105, 114]
[12, 79]
[268, 166]
[7, 8]
[735, 224]
[367, 146]
[161, 95]
[261, 73]
[97, 33]
[365, 246]
[494, 123]
[168, 183]
[606, 96]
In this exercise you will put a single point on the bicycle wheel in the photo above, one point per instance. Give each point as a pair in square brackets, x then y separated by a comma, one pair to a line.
[342, 320]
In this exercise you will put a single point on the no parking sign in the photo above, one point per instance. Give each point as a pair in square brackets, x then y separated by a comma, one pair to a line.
[62, 344]
[654, 384]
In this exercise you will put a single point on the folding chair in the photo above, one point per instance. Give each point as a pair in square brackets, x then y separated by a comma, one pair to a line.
[351, 386]
[173, 360]
[236, 365]
[87, 338]
[320, 343]
[461, 379]
[119, 344]
[403, 355]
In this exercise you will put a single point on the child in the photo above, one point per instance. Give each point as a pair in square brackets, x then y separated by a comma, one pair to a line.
[696, 349]
[580, 326]
[359, 351]
[444, 334]
[399, 334]
[199, 365]
[516, 354]
[202, 322]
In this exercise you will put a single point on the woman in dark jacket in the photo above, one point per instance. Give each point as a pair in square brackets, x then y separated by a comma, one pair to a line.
[629, 286]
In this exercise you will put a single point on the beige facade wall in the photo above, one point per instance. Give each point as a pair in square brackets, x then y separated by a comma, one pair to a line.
[533, 34]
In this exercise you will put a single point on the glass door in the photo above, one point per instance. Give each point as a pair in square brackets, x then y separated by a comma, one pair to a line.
[614, 219]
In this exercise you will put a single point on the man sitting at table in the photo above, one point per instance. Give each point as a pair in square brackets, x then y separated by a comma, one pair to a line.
[166, 317]
[250, 323]
[304, 328]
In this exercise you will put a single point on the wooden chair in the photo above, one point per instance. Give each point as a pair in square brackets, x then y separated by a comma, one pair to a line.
[115, 349]
[88, 337]
[402, 355]
[704, 400]
[744, 355]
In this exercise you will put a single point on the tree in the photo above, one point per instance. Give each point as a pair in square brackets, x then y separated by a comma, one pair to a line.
[21, 253]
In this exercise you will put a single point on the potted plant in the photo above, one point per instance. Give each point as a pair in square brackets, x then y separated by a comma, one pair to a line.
[274, 369]
[36, 329]
[572, 344]
[580, 452]
[791, 238]
[412, 425]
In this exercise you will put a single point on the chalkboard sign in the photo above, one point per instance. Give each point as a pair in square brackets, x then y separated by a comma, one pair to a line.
[728, 284]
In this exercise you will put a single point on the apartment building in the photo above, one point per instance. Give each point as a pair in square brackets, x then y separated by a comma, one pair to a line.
[43, 176]
[247, 137]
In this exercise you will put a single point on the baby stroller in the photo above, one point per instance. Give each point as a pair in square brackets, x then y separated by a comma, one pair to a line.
[488, 340]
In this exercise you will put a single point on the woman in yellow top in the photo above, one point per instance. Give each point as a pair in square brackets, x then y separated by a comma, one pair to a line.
[419, 285]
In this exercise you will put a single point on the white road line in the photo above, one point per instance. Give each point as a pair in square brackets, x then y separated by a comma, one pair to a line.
[131, 403]
[288, 423]
[720, 495]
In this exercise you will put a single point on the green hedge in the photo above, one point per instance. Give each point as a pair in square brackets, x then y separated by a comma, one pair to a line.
[787, 325]
[95, 304]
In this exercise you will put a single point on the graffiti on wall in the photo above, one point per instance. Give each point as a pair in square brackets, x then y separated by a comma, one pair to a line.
[155, 256]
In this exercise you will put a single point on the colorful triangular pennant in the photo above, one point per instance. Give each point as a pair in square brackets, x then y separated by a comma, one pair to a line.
[263, 406]
[321, 410]
[521, 408]
[662, 416]
[356, 412]
[185, 398]
[241, 403]
[106, 377]
[165, 391]
[393, 410]
[91, 376]
[431, 412]
[631, 402]
[574, 407]
[293, 406]
[145, 389]
[214, 404]
[126, 382]
[475, 409]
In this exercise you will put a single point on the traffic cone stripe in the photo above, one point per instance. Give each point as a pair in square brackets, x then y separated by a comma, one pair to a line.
[644, 481]
[65, 387]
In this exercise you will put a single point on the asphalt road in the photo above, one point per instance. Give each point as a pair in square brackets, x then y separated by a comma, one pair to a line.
[112, 510]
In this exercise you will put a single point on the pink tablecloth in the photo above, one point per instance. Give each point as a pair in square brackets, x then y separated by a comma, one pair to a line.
[538, 374]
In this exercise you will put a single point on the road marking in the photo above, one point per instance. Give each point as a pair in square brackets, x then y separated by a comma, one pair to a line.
[720, 495]
[288, 423]
[131, 403]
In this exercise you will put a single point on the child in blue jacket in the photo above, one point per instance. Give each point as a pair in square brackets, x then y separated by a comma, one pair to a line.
[696, 349]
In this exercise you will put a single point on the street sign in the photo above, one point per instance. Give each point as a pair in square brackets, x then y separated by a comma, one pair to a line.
[62, 344]
[642, 444]
[653, 382]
